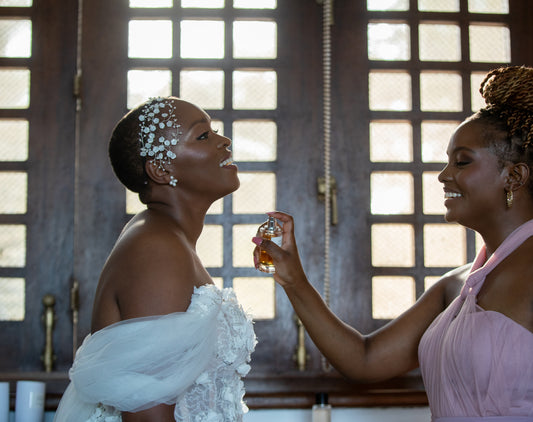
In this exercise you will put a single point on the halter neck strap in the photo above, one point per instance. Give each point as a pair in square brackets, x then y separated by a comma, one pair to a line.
[483, 266]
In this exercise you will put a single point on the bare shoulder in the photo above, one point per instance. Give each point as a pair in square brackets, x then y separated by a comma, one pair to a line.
[437, 297]
[150, 271]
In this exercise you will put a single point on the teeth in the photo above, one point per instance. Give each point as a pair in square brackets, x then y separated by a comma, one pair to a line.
[452, 195]
[226, 162]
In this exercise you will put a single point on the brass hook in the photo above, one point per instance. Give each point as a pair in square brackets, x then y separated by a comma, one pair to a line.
[300, 355]
[49, 320]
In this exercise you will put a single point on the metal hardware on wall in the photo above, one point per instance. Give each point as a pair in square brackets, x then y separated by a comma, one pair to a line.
[300, 355]
[49, 319]
[321, 188]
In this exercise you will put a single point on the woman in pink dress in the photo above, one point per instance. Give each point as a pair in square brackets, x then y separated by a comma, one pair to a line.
[472, 332]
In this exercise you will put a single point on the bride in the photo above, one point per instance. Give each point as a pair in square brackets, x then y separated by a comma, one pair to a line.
[166, 344]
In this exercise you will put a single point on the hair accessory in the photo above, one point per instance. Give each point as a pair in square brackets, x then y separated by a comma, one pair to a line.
[509, 198]
[173, 181]
[157, 115]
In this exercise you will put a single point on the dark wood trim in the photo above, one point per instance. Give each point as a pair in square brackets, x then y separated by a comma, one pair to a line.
[274, 392]
[521, 14]
[100, 209]
[298, 391]
[50, 167]
[56, 383]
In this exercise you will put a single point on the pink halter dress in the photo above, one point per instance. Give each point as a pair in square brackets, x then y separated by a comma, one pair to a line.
[477, 365]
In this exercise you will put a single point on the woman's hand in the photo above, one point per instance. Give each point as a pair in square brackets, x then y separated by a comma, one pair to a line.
[289, 271]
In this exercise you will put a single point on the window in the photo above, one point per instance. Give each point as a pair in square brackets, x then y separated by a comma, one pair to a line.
[15, 77]
[228, 67]
[37, 123]
[418, 93]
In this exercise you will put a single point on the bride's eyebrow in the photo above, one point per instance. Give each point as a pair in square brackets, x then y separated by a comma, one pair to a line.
[197, 122]
[200, 121]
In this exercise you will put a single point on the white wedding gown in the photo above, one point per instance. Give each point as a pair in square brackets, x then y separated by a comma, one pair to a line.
[194, 360]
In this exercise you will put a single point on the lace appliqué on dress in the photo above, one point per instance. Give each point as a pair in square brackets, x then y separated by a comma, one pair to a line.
[104, 413]
[217, 395]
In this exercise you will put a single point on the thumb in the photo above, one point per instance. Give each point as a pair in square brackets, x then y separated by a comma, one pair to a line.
[268, 246]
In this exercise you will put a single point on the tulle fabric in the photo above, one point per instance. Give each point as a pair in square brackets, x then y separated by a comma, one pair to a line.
[139, 363]
[477, 365]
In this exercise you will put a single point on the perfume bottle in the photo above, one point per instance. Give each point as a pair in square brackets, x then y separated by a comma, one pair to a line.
[321, 411]
[270, 230]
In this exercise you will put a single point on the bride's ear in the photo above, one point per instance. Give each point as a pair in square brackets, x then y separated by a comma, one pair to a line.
[157, 172]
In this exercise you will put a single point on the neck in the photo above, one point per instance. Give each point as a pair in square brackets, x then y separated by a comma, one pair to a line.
[495, 236]
[190, 222]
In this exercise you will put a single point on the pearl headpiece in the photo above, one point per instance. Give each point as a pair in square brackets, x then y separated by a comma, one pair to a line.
[156, 116]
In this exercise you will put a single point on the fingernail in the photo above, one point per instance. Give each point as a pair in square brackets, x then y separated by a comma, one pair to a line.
[257, 240]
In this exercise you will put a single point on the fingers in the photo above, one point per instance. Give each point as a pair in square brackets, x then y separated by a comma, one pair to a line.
[256, 257]
[274, 249]
[283, 217]
[268, 246]
[287, 235]
[288, 225]
[286, 258]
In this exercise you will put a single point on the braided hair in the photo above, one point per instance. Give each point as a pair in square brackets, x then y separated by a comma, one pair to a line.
[507, 117]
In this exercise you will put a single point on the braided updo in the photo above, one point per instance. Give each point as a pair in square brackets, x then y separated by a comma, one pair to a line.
[508, 93]
[508, 115]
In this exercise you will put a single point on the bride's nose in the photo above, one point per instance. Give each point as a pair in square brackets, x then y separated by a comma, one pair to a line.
[224, 142]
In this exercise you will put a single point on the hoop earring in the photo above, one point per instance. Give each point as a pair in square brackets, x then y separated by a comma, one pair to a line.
[509, 198]
[173, 181]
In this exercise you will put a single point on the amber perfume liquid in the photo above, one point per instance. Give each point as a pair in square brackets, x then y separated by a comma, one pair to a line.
[269, 230]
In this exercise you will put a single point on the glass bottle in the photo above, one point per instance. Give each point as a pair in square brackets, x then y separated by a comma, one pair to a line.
[321, 411]
[270, 230]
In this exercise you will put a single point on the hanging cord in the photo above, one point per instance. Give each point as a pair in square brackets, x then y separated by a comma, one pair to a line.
[326, 63]
[77, 77]
[74, 298]
[327, 139]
